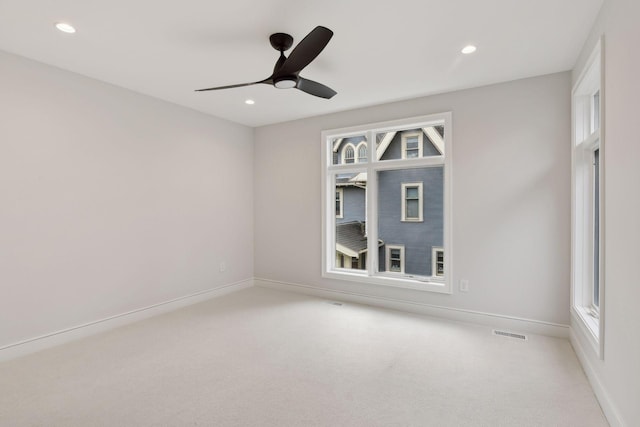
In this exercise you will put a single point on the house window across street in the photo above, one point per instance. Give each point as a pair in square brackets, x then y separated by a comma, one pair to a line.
[395, 259]
[339, 193]
[412, 145]
[349, 154]
[437, 259]
[412, 202]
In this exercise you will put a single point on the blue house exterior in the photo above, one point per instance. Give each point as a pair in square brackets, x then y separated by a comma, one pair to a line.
[410, 205]
[417, 237]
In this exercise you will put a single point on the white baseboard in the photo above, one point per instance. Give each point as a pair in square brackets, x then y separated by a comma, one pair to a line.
[606, 403]
[52, 339]
[512, 324]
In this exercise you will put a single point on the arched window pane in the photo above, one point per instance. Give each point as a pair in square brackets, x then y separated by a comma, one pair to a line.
[362, 154]
[349, 155]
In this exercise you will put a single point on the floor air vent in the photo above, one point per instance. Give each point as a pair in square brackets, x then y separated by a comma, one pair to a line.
[509, 335]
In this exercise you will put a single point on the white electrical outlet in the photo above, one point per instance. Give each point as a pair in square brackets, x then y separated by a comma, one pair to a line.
[223, 266]
[464, 285]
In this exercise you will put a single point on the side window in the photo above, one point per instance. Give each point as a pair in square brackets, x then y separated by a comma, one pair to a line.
[395, 258]
[411, 145]
[412, 202]
[339, 202]
[362, 153]
[437, 261]
[587, 214]
[349, 154]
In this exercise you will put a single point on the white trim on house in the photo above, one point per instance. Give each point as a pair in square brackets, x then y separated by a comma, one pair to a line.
[434, 260]
[336, 144]
[435, 138]
[344, 153]
[390, 248]
[384, 144]
[403, 202]
[340, 197]
[345, 250]
[410, 134]
[366, 152]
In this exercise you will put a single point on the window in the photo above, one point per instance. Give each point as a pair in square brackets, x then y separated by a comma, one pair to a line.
[412, 202]
[395, 259]
[587, 214]
[339, 205]
[411, 145]
[395, 202]
[437, 261]
[362, 152]
[349, 154]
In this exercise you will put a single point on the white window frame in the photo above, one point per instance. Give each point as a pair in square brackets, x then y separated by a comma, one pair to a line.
[408, 134]
[362, 144]
[403, 202]
[434, 260]
[340, 191]
[388, 258]
[344, 153]
[329, 172]
[586, 139]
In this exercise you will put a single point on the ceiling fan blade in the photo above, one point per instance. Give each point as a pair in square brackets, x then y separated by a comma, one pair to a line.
[232, 86]
[315, 88]
[305, 52]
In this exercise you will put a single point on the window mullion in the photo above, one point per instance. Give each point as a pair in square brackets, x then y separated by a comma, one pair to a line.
[372, 207]
[331, 223]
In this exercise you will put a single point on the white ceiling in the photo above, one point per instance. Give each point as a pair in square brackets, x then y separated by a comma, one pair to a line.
[382, 50]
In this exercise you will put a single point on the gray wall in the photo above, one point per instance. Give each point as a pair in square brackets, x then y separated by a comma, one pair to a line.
[112, 201]
[510, 195]
[616, 378]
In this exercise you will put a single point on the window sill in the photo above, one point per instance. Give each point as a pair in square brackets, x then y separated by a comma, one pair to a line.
[396, 282]
[589, 326]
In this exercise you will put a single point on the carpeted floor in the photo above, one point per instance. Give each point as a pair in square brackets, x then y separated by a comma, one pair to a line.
[260, 357]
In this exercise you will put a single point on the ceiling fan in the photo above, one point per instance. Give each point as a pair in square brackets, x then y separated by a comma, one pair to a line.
[286, 73]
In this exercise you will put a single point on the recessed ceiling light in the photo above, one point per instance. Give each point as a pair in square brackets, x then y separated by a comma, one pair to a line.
[468, 49]
[249, 102]
[65, 28]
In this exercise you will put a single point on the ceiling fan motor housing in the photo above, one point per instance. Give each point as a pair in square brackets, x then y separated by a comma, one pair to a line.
[286, 82]
[281, 41]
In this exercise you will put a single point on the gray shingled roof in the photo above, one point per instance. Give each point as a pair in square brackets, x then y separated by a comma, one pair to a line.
[351, 236]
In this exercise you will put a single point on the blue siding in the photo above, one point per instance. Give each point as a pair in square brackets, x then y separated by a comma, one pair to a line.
[353, 206]
[394, 151]
[418, 238]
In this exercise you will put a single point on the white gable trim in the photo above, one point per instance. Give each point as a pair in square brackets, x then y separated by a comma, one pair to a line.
[346, 251]
[384, 144]
[435, 138]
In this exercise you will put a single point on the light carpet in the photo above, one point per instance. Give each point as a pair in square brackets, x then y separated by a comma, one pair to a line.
[261, 357]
